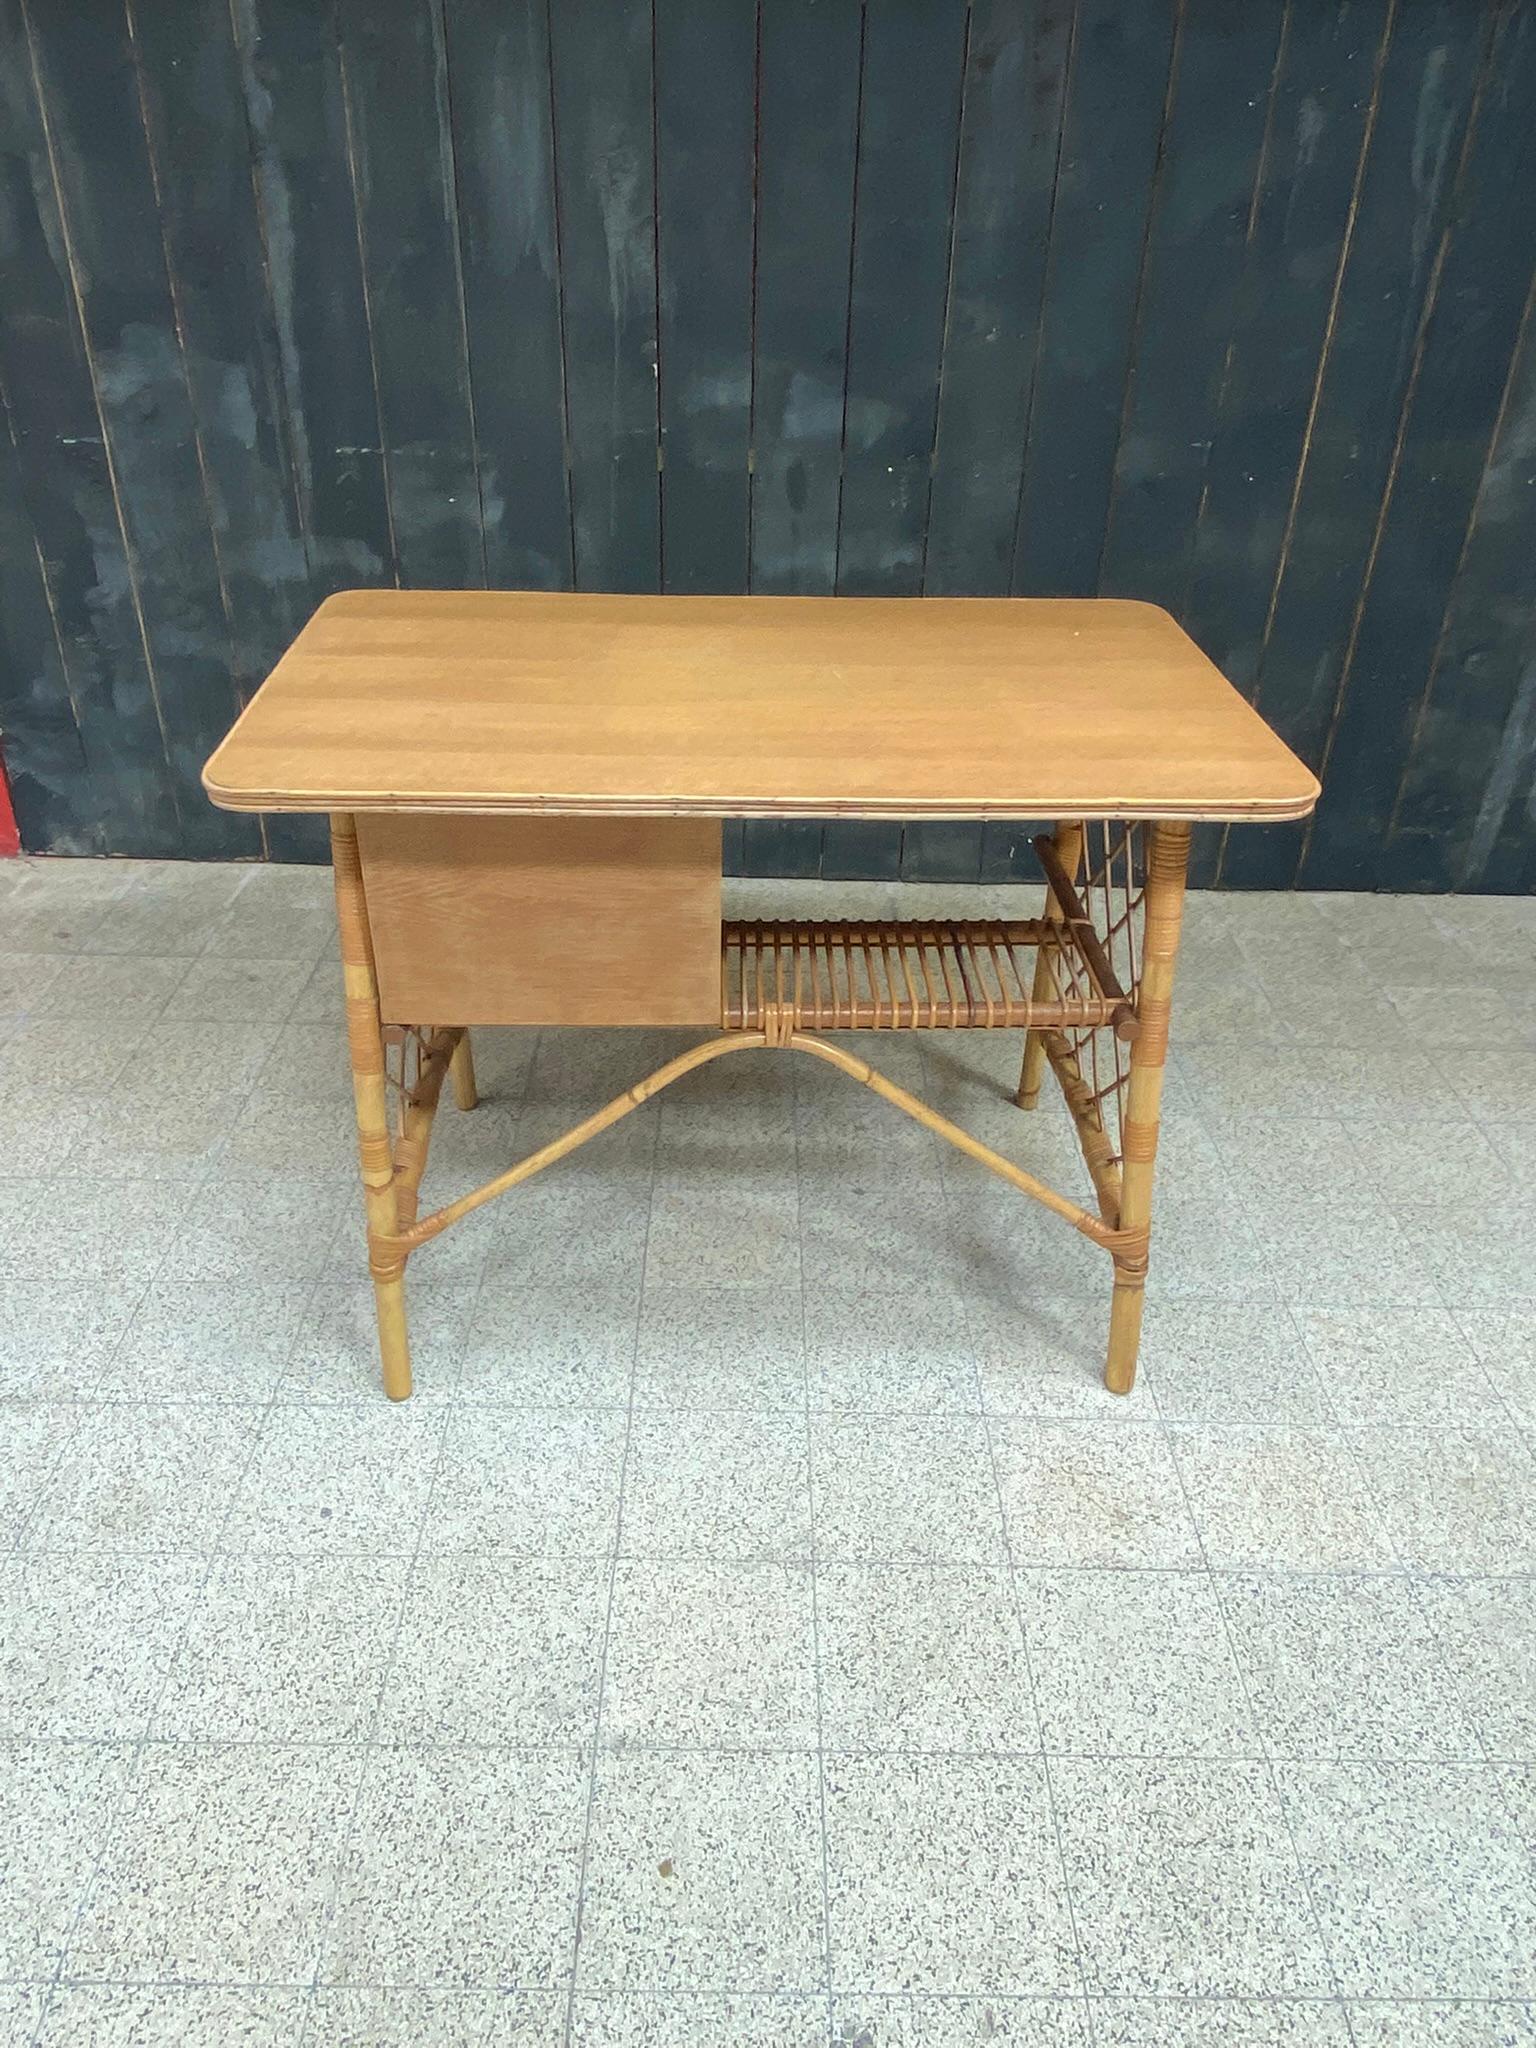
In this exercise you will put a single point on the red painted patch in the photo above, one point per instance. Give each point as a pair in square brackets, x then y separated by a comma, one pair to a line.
[10, 838]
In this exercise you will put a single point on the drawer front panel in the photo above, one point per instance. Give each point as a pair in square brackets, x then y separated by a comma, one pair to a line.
[494, 920]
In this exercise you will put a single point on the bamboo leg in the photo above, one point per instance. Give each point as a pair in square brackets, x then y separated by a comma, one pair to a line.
[1167, 863]
[461, 1071]
[386, 1262]
[1069, 846]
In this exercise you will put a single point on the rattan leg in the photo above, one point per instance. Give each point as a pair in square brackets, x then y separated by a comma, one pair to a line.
[1069, 845]
[1167, 863]
[365, 1042]
[394, 1337]
[461, 1071]
[1125, 1327]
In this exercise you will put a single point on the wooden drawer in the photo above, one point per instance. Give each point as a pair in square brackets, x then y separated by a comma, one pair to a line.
[496, 920]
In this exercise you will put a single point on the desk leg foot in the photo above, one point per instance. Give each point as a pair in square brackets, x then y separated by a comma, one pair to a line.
[461, 1071]
[1124, 1331]
[394, 1342]
[1027, 1094]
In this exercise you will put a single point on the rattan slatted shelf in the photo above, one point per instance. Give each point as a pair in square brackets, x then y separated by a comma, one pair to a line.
[967, 974]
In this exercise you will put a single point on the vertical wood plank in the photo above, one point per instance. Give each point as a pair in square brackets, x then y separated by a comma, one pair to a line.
[1323, 104]
[1428, 84]
[103, 179]
[1321, 109]
[808, 118]
[1010, 143]
[1508, 809]
[909, 130]
[860, 850]
[706, 79]
[1113, 119]
[1196, 241]
[605, 187]
[1010, 151]
[781, 846]
[295, 113]
[394, 77]
[732, 855]
[1454, 405]
[908, 144]
[933, 850]
[123, 802]
[38, 726]
[1008, 852]
[189, 78]
[1473, 740]
[499, 81]
[810, 69]
[195, 126]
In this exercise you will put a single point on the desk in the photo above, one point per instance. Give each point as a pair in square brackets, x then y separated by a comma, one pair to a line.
[525, 791]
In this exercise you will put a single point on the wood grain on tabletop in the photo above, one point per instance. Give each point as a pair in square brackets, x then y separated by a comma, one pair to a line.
[547, 702]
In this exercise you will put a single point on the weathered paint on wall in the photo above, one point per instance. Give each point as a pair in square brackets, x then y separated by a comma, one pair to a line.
[1226, 307]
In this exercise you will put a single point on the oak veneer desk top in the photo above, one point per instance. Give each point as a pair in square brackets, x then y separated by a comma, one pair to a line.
[558, 703]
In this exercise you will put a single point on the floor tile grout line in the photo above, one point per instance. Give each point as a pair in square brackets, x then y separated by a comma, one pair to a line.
[1495, 1766]
[1052, 1804]
[339, 1554]
[815, 1578]
[1291, 1312]
[1497, 1411]
[32, 882]
[1457, 1310]
[1466, 1707]
[200, 1178]
[152, 1275]
[17, 1547]
[151, 1015]
[218, 1554]
[132, 1776]
[614, 1557]
[369, 1746]
[1046, 1773]
[1052, 1417]
[142, 1043]
[1418, 1760]
[490, 1994]
[1269, 1765]
[1173, 2000]
[1372, 1491]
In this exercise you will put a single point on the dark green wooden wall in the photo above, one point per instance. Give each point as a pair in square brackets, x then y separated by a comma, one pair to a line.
[1223, 303]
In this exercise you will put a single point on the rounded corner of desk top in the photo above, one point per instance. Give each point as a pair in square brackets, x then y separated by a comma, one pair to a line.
[223, 797]
[1287, 810]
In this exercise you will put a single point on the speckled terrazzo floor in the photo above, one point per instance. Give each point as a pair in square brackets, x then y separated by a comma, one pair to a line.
[761, 1630]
